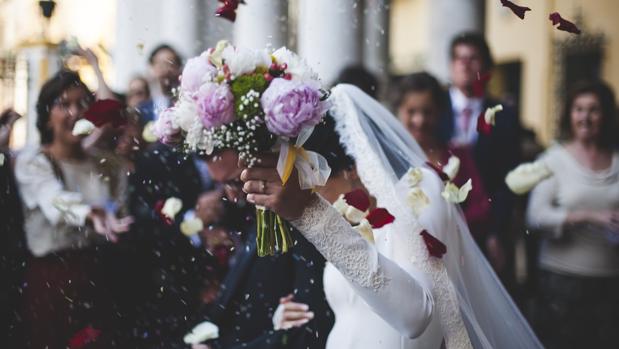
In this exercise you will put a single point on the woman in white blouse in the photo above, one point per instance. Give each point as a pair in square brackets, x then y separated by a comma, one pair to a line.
[67, 199]
[577, 210]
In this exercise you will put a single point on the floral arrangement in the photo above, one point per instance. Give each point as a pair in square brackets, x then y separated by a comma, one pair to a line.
[355, 207]
[251, 101]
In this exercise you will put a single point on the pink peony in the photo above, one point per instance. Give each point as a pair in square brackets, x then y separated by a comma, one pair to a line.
[215, 104]
[291, 105]
[197, 71]
[166, 129]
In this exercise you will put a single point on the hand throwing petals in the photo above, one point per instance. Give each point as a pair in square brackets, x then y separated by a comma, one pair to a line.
[435, 247]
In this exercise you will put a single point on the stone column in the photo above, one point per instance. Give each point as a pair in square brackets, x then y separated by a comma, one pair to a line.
[261, 23]
[212, 29]
[376, 38]
[447, 19]
[330, 35]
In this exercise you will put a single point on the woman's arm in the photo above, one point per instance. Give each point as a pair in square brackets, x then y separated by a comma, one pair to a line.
[543, 213]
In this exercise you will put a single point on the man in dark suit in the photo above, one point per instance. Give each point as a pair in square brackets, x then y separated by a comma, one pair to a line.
[496, 153]
[251, 291]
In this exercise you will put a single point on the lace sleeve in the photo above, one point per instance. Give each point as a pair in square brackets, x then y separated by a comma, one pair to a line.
[399, 297]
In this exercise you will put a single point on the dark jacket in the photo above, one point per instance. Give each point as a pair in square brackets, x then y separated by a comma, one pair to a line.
[250, 294]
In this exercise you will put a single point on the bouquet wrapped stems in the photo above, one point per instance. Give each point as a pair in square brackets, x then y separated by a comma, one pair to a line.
[272, 233]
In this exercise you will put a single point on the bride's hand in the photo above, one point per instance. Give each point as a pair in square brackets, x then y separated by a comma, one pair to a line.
[264, 188]
[291, 314]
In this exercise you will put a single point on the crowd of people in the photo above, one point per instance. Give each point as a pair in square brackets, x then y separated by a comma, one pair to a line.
[92, 264]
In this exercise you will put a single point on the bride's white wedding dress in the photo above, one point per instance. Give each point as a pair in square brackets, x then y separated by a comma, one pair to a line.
[391, 293]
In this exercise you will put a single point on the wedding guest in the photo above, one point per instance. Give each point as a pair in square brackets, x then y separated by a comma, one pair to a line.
[495, 153]
[419, 104]
[103, 90]
[66, 196]
[359, 76]
[8, 117]
[577, 210]
[138, 92]
[165, 68]
[251, 291]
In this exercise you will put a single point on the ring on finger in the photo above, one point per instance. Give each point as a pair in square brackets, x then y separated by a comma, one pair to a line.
[263, 186]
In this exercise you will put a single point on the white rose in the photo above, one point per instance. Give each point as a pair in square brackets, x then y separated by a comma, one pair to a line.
[456, 195]
[243, 60]
[452, 167]
[185, 113]
[191, 226]
[526, 176]
[414, 176]
[296, 66]
[83, 127]
[417, 200]
[171, 207]
[490, 114]
[365, 229]
[202, 332]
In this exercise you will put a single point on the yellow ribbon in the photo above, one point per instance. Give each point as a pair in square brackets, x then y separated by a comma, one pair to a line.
[291, 158]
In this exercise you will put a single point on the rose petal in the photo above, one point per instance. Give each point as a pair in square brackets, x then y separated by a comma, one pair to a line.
[83, 127]
[379, 217]
[479, 85]
[191, 226]
[147, 134]
[456, 195]
[201, 333]
[517, 10]
[358, 199]
[354, 215]
[482, 126]
[158, 207]
[414, 176]
[435, 247]
[340, 205]
[171, 207]
[526, 176]
[564, 24]
[417, 200]
[83, 337]
[106, 111]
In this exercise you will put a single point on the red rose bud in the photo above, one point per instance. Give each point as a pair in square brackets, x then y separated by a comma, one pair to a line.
[158, 207]
[84, 337]
[268, 77]
[517, 10]
[479, 85]
[106, 111]
[379, 217]
[564, 24]
[439, 171]
[358, 199]
[435, 247]
[483, 127]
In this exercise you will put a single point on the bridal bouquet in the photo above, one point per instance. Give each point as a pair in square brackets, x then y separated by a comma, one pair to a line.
[251, 101]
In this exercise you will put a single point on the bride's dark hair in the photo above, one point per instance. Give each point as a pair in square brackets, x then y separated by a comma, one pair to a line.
[325, 141]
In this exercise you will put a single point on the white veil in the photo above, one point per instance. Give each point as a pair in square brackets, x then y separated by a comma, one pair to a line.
[383, 152]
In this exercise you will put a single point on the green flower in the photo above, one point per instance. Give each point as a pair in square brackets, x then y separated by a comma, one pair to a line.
[247, 90]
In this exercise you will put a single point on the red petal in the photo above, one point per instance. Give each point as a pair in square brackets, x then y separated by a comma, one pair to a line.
[517, 10]
[106, 111]
[438, 171]
[482, 126]
[358, 199]
[83, 337]
[379, 217]
[479, 85]
[227, 11]
[158, 207]
[564, 24]
[435, 247]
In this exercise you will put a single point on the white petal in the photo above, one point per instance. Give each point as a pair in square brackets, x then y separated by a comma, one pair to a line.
[456, 195]
[191, 226]
[340, 205]
[83, 127]
[452, 167]
[1, 159]
[147, 134]
[490, 114]
[414, 176]
[417, 200]
[202, 332]
[171, 207]
[526, 176]
[354, 215]
[365, 229]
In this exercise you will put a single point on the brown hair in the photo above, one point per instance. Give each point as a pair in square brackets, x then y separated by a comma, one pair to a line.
[606, 97]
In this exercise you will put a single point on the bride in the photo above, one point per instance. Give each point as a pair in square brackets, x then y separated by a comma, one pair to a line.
[389, 291]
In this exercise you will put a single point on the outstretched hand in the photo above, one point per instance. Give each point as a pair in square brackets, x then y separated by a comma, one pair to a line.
[291, 314]
[264, 188]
